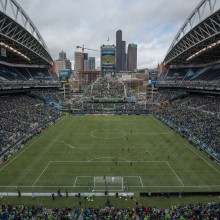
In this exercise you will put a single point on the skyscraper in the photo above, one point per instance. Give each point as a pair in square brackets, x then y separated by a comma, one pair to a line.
[132, 57]
[78, 61]
[124, 58]
[92, 63]
[118, 50]
[62, 63]
[86, 65]
[85, 56]
[62, 55]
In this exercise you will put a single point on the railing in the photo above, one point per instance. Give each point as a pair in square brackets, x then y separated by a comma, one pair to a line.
[17, 84]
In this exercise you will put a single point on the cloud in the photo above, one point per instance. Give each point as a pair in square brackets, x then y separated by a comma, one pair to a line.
[151, 24]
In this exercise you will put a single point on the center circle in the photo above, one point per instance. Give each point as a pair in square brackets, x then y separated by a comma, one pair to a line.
[108, 133]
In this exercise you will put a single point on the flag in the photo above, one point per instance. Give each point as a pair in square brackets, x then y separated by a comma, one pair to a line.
[108, 39]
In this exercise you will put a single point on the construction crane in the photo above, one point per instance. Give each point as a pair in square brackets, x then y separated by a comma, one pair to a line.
[85, 48]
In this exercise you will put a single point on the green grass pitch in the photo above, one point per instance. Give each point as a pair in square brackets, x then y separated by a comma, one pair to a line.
[138, 151]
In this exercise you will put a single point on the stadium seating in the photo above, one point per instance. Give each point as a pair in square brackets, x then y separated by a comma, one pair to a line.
[164, 95]
[195, 117]
[210, 73]
[22, 116]
[25, 73]
[108, 95]
[53, 96]
[191, 211]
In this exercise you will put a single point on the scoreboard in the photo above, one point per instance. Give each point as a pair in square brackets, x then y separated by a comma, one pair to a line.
[153, 78]
[108, 59]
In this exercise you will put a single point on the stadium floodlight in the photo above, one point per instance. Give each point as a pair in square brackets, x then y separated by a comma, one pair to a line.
[14, 51]
[209, 47]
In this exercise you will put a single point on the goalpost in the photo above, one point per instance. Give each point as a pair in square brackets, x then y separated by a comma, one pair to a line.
[108, 183]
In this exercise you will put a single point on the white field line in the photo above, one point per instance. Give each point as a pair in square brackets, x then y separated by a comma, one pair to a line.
[88, 133]
[28, 146]
[175, 174]
[109, 176]
[131, 133]
[75, 182]
[68, 145]
[141, 181]
[176, 135]
[41, 174]
[151, 133]
[23, 151]
[104, 161]
[165, 186]
[114, 118]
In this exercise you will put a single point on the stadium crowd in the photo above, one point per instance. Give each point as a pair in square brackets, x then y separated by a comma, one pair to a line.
[18, 84]
[108, 95]
[114, 107]
[21, 116]
[192, 211]
[196, 117]
[164, 95]
[105, 87]
[54, 96]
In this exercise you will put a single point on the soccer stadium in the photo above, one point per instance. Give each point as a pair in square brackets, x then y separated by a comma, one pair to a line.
[105, 154]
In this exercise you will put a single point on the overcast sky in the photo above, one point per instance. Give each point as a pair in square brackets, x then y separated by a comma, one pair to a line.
[151, 24]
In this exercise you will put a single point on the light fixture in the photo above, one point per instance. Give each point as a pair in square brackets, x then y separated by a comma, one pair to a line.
[14, 51]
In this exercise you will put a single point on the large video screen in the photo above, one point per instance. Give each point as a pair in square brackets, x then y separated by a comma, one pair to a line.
[108, 57]
[64, 75]
[153, 78]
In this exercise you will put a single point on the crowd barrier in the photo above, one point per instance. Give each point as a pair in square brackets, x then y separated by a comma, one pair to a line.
[179, 194]
[67, 194]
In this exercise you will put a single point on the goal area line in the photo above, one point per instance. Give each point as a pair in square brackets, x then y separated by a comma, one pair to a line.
[111, 183]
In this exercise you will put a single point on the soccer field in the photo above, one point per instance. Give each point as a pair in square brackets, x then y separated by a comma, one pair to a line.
[113, 153]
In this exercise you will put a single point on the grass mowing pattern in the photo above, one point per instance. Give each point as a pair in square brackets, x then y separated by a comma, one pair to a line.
[69, 154]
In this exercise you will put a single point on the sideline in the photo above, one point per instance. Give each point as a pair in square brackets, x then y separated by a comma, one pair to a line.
[182, 141]
[37, 138]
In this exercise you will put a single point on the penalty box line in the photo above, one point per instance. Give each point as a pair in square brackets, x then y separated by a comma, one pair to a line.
[41, 173]
[86, 162]
[76, 179]
[137, 177]
[71, 186]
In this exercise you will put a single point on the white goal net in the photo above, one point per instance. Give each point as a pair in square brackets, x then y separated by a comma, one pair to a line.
[109, 183]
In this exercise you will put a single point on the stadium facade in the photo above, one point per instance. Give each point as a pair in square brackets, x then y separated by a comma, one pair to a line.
[190, 72]
[188, 87]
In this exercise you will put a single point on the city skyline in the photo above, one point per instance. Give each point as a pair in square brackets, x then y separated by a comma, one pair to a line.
[152, 25]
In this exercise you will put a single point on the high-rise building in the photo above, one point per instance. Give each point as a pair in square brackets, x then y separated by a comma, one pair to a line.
[59, 65]
[78, 61]
[92, 63]
[62, 63]
[132, 57]
[68, 64]
[85, 56]
[124, 58]
[62, 55]
[120, 52]
[86, 65]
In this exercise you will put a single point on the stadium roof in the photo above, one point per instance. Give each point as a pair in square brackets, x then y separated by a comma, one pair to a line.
[198, 40]
[20, 41]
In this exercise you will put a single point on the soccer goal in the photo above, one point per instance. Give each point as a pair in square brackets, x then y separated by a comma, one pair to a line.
[109, 183]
